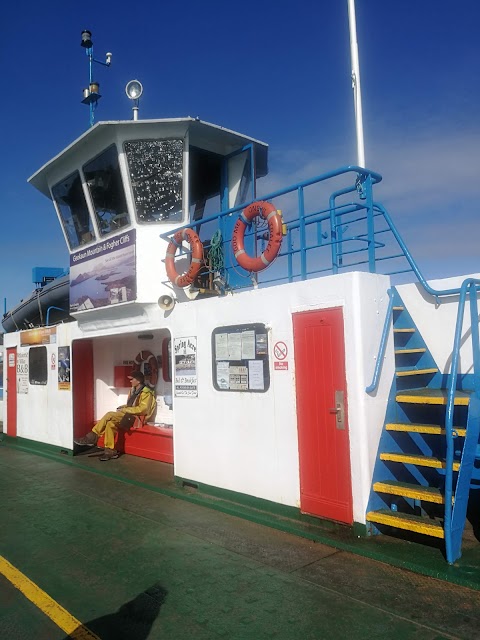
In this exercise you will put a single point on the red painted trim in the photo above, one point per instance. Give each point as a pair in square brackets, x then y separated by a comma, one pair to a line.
[11, 374]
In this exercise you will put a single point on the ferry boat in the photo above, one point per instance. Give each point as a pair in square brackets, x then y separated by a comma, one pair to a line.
[287, 365]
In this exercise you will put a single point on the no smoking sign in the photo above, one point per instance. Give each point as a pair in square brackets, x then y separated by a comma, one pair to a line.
[280, 350]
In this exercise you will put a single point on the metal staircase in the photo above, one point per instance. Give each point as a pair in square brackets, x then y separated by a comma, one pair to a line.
[419, 485]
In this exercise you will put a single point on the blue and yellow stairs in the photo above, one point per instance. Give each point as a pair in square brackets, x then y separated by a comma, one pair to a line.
[409, 490]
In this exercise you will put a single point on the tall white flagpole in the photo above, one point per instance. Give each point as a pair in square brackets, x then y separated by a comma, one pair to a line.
[357, 93]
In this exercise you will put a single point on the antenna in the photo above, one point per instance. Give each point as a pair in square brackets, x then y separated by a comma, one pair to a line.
[91, 95]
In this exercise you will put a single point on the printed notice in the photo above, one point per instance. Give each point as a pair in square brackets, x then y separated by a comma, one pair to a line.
[248, 345]
[239, 378]
[261, 344]
[22, 372]
[234, 346]
[223, 375]
[186, 367]
[256, 380]
[221, 346]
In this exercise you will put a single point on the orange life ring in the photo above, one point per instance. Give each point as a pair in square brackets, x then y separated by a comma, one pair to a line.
[147, 357]
[268, 212]
[196, 245]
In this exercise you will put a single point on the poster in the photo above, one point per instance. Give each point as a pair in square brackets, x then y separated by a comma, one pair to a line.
[22, 372]
[103, 274]
[64, 368]
[185, 351]
[42, 335]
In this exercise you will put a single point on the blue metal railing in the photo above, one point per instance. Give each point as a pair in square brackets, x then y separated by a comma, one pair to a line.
[305, 220]
[469, 287]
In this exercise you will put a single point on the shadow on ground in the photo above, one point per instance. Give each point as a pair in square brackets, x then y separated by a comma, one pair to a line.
[133, 621]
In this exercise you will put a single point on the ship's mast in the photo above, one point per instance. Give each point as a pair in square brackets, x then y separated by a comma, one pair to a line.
[357, 94]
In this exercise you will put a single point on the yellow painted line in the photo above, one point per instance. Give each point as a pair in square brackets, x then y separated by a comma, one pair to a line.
[421, 461]
[404, 331]
[400, 351]
[60, 616]
[426, 528]
[415, 372]
[418, 399]
[433, 429]
[416, 493]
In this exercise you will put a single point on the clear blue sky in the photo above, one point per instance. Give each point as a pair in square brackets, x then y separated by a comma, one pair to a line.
[277, 71]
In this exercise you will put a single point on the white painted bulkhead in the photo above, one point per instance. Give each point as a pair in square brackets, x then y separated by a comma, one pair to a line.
[436, 322]
[239, 441]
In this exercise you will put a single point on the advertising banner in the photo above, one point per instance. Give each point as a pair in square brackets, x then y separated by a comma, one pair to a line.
[103, 274]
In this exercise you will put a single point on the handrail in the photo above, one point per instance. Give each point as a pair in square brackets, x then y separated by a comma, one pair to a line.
[436, 293]
[383, 344]
[48, 313]
[470, 286]
[360, 171]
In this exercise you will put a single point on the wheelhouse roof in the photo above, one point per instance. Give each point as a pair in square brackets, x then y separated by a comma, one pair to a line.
[204, 135]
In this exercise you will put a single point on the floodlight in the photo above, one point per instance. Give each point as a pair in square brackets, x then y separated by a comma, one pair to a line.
[134, 89]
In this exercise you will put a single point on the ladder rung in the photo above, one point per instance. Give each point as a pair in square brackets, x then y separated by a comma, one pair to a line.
[402, 351]
[415, 372]
[414, 491]
[420, 461]
[399, 308]
[433, 429]
[406, 521]
[411, 330]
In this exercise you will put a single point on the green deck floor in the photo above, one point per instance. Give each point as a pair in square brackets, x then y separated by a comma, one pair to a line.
[114, 545]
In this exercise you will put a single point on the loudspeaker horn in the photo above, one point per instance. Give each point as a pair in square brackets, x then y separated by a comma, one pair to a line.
[166, 303]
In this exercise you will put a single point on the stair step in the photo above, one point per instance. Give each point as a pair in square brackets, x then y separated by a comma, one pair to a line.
[406, 521]
[420, 461]
[433, 429]
[431, 396]
[407, 490]
[411, 330]
[399, 352]
[414, 372]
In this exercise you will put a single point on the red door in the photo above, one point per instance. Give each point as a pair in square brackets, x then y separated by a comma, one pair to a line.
[83, 386]
[12, 392]
[325, 482]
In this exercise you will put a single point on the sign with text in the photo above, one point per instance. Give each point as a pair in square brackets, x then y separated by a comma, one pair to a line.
[185, 358]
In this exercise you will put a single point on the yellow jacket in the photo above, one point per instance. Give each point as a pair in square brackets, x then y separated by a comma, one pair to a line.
[144, 404]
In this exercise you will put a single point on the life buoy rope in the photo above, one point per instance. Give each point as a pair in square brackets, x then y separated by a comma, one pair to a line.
[268, 212]
[147, 358]
[189, 235]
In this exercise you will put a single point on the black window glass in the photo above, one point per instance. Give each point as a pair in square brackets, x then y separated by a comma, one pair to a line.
[156, 174]
[104, 182]
[37, 365]
[73, 209]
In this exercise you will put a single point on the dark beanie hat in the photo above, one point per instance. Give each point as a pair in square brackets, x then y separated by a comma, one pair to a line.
[138, 375]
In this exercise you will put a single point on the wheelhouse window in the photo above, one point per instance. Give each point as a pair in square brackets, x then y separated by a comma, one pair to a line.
[37, 365]
[105, 185]
[73, 210]
[156, 174]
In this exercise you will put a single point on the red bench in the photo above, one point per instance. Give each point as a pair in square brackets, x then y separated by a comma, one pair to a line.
[145, 441]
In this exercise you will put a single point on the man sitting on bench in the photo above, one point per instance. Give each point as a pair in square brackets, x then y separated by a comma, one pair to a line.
[141, 402]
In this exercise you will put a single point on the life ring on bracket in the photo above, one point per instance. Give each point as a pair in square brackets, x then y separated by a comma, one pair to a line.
[268, 212]
[147, 358]
[196, 246]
